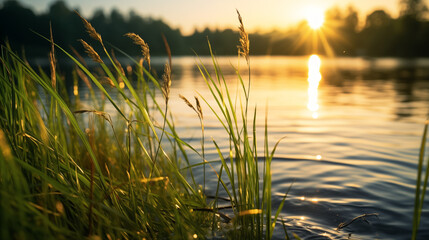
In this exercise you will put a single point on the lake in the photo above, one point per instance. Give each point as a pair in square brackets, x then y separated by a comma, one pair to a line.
[352, 129]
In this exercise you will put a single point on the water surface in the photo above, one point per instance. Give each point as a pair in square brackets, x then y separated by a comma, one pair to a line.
[353, 127]
[352, 138]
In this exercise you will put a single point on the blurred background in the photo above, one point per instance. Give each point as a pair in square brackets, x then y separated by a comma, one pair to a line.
[373, 28]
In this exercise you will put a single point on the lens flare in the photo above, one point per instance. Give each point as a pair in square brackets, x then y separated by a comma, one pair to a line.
[315, 18]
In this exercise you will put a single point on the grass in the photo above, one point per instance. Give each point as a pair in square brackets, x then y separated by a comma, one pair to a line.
[421, 184]
[250, 199]
[73, 171]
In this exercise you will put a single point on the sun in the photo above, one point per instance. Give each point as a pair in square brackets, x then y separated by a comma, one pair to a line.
[314, 17]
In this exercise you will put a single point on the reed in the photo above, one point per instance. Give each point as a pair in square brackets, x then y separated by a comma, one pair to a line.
[69, 171]
[74, 171]
[198, 110]
[421, 184]
[90, 29]
[91, 52]
[143, 45]
[250, 199]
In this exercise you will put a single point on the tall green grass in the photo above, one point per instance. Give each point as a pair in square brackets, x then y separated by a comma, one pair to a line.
[250, 191]
[72, 171]
[421, 184]
[250, 187]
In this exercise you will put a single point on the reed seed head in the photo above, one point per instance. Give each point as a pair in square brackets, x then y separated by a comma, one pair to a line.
[109, 81]
[140, 42]
[91, 52]
[200, 110]
[187, 102]
[52, 60]
[90, 29]
[52, 64]
[167, 81]
[243, 48]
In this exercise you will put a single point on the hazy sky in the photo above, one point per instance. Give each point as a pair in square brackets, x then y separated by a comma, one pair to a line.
[190, 14]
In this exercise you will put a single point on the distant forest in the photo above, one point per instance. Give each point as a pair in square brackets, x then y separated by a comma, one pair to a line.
[380, 35]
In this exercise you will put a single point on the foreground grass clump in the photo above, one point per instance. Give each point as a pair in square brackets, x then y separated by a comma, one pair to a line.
[68, 171]
[250, 186]
[111, 170]
[421, 184]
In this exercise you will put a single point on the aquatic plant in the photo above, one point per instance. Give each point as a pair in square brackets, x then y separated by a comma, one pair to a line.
[69, 170]
[421, 184]
[250, 198]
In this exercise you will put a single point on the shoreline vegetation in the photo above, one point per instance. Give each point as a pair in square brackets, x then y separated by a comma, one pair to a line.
[74, 172]
[69, 172]
[377, 34]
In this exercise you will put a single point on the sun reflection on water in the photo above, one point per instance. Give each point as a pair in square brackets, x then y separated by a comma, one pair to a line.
[314, 78]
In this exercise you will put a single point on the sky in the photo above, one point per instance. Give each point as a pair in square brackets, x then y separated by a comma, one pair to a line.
[258, 15]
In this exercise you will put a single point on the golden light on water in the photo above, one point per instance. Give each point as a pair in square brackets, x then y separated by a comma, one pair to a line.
[314, 78]
[250, 212]
[75, 90]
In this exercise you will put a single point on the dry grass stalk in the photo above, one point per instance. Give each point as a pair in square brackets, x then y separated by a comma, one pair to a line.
[188, 103]
[90, 29]
[91, 52]
[108, 81]
[167, 48]
[104, 115]
[119, 66]
[167, 81]
[141, 66]
[200, 110]
[144, 46]
[197, 109]
[83, 77]
[52, 60]
[243, 48]
[81, 59]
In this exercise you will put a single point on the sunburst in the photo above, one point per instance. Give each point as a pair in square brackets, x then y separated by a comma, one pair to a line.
[315, 17]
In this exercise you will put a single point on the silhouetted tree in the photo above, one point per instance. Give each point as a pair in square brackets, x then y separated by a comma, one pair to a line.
[376, 38]
[413, 8]
[408, 27]
[15, 24]
[341, 30]
[378, 19]
[382, 35]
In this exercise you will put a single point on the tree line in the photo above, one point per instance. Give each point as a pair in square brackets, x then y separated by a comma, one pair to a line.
[341, 35]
